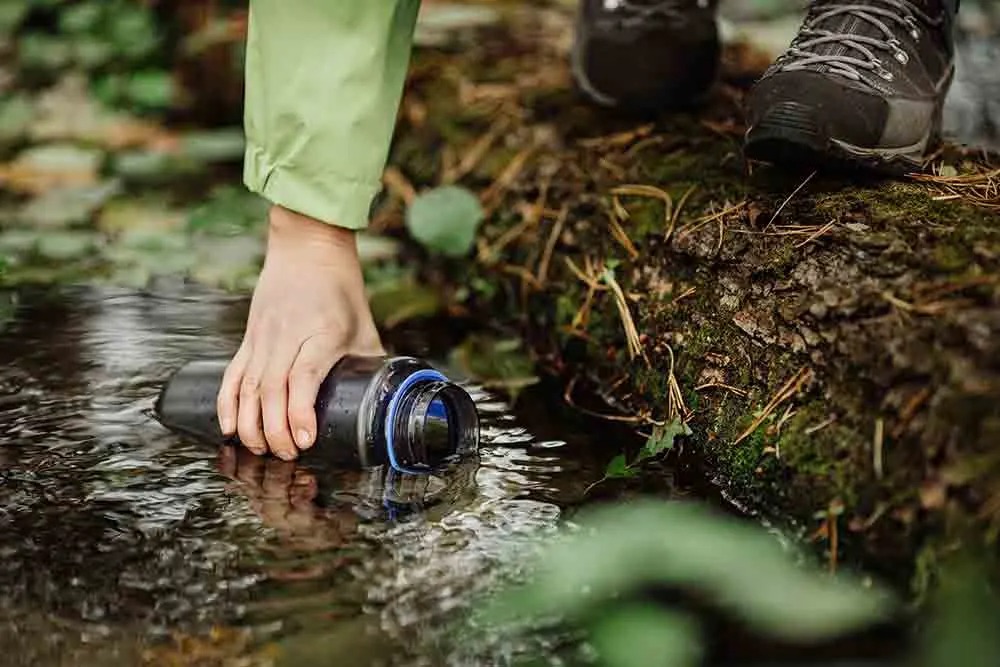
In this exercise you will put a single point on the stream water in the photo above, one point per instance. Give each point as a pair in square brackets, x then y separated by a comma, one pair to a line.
[115, 533]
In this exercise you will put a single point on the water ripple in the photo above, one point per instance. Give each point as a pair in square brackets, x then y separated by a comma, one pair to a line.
[119, 529]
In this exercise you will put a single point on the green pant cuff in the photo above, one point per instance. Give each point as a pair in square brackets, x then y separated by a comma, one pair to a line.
[342, 202]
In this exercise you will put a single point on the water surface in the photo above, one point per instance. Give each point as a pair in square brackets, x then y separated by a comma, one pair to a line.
[115, 534]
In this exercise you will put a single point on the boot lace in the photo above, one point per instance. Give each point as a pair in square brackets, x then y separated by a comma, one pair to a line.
[860, 53]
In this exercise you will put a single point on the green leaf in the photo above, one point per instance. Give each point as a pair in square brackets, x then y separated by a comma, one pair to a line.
[43, 52]
[132, 31]
[91, 53]
[618, 468]
[83, 17]
[662, 439]
[445, 220]
[963, 628]
[61, 246]
[12, 12]
[150, 89]
[736, 565]
[16, 114]
[643, 635]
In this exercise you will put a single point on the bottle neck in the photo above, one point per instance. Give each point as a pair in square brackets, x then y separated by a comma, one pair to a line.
[429, 422]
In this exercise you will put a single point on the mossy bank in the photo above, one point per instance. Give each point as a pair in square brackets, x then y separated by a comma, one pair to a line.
[833, 344]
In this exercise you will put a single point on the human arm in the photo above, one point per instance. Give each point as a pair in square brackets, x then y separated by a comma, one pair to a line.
[324, 81]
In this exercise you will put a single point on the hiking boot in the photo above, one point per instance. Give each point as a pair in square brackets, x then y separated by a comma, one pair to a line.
[645, 55]
[863, 83]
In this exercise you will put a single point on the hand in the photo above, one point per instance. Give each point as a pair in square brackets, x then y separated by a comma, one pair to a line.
[309, 309]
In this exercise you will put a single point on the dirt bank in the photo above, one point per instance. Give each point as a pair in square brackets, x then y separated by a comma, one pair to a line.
[833, 345]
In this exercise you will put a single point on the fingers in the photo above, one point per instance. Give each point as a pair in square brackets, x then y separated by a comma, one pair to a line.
[248, 421]
[227, 402]
[315, 359]
[274, 398]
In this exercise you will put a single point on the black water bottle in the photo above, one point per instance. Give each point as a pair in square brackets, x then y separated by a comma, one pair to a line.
[370, 411]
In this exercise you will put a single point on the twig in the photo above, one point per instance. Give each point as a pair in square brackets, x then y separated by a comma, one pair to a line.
[475, 154]
[543, 265]
[878, 441]
[631, 333]
[488, 252]
[711, 217]
[491, 197]
[675, 399]
[621, 236]
[568, 398]
[832, 519]
[816, 428]
[650, 192]
[399, 185]
[787, 391]
[720, 385]
[788, 200]
[823, 230]
[587, 279]
[677, 212]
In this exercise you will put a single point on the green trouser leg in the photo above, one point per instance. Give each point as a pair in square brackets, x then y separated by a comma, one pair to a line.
[323, 83]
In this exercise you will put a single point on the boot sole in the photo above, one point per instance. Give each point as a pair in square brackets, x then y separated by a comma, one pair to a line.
[789, 136]
[790, 144]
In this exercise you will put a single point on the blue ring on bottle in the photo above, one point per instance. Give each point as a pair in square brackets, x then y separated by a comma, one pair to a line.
[421, 376]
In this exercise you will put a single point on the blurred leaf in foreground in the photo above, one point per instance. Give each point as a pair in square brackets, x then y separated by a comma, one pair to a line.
[644, 635]
[445, 220]
[964, 629]
[737, 566]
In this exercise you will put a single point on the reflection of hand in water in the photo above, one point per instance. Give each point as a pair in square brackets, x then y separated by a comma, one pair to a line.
[282, 494]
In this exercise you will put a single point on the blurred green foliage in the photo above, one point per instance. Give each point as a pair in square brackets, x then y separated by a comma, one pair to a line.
[118, 43]
[608, 574]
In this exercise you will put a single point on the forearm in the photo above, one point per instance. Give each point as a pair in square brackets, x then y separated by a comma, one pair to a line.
[324, 79]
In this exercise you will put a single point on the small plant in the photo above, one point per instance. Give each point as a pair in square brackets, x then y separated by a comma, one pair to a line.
[660, 441]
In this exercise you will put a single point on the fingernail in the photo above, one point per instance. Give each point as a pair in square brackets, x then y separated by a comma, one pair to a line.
[286, 455]
[227, 426]
[303, 439]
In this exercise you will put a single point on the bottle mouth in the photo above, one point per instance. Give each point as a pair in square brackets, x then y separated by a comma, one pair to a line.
[429, 422]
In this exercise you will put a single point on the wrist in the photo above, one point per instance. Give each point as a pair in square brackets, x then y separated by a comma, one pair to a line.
[286, 228]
